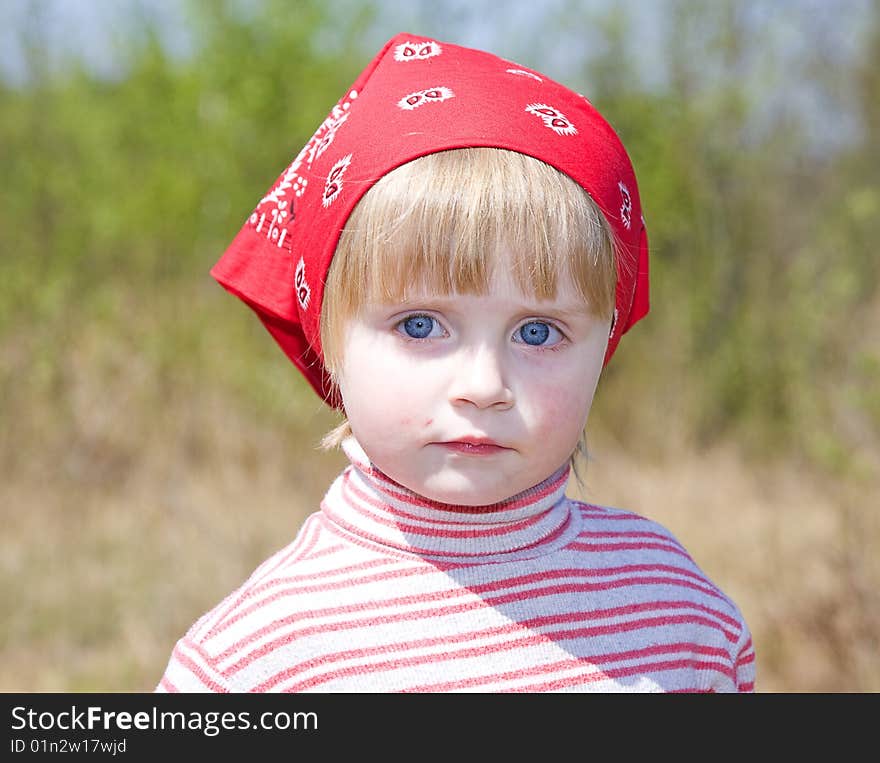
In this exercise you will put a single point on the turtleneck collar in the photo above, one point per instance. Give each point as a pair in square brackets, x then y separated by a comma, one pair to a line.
[368, 506]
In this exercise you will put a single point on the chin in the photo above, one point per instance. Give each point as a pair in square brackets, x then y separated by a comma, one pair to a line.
[463, 495]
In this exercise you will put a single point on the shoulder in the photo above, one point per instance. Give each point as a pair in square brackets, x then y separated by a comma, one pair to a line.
[643, 561]
[250, 603]
[627, 540]
[205, 657]
[610, 522]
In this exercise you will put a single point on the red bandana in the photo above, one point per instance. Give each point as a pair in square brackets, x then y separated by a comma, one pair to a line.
[416, 97]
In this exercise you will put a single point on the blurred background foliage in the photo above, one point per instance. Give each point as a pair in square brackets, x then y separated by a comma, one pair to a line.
[132, 387]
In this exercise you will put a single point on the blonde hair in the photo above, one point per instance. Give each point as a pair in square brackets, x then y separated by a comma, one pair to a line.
[440, 222]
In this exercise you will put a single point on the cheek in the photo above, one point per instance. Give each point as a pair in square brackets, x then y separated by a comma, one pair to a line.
[560, 410]
[384, 386]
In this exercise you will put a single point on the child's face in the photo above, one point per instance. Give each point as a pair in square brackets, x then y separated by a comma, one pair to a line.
[421, 375]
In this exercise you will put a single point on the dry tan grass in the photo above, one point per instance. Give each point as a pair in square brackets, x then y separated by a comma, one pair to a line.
[145, 505]
[101, 576]
[796, 552]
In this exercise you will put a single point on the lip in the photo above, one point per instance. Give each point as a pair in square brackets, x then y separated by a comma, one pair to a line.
[473, 445]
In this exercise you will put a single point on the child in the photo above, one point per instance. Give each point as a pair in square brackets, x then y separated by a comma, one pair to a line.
[451, 260]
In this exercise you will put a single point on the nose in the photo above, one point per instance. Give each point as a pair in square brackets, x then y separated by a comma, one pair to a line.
[480, 379]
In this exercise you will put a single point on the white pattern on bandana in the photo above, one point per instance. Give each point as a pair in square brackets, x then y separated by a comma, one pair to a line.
[421, 97]
[415, 51]
[303, 293]
[332, 124]
[552, 118]
[274, 222]
[625, 205]
[333, 187]
[524, 73]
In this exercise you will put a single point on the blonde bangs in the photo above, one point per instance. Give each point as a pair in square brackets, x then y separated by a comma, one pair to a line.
[442, 223]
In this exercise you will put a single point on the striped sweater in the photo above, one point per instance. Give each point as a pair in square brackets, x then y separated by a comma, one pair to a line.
[385, 591]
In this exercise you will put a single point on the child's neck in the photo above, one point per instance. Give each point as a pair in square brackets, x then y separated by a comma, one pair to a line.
[365, 504]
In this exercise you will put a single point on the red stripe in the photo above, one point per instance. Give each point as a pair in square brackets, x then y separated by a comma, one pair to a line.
[745, 665]
[286, 557]
[532, 593]
[688, 690]
[594, 661]
[530, 496]
[305, 541]
[280, 623]
[394, 574]
[603, 513]
[166, 684]
[250, 593]
[326, 659]
[347, 569]
[629, 609]
[631, 625]
[359, 533]
[473, 530]
[580, 572]
[533, 623]
[607, 547]
[329, 551]
[592, 676]
[745, 660]
[591, 663]
[289, 673]
[744, 652]
[344, 572]
[429, 597]
[362, 540]
[441, 561]
[641, 669]
[630, 534]
[506, 646]
[197, 670]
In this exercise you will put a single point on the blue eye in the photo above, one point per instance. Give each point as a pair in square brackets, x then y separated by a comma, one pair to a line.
[535, 333]
[418, 326]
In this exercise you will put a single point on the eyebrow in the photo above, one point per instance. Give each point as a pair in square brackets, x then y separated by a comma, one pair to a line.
[567, 310]
[580, 311]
